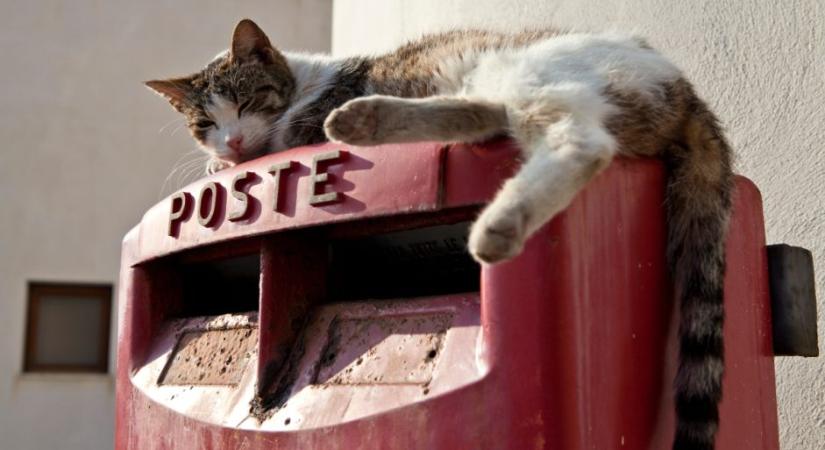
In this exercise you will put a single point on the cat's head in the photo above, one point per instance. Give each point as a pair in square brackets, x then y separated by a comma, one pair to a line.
[231, 105]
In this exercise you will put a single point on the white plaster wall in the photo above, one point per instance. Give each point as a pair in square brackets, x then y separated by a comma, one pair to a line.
[760, 64]
[84, 150]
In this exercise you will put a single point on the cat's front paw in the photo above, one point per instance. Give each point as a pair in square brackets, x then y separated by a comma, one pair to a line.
[355, 123]
[215, 165]
[497, 235]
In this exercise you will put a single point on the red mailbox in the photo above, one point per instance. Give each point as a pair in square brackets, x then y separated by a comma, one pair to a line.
[321, 298]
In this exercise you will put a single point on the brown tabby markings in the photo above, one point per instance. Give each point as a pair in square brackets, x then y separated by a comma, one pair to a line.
[410, 70]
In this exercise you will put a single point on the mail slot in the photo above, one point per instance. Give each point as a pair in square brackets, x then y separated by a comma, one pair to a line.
[322, 298]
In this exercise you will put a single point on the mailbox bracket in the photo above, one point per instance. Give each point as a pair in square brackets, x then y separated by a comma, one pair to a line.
[793, 301]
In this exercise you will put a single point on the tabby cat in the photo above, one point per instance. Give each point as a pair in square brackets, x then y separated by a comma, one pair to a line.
[572, 101]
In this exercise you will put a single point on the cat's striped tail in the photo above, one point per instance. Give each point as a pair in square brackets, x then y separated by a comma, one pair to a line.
[699, 202]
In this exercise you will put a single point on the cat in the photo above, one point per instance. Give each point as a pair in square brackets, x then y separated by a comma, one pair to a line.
[571, 101]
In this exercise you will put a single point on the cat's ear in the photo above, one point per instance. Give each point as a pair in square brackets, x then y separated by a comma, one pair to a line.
[176, 90]
[249, 41]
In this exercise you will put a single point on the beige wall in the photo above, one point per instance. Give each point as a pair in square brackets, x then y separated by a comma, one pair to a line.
[85, 150]
[761, 65]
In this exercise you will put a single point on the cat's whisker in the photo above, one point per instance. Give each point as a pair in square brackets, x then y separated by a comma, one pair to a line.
[179, 162]
[176, 178]
[193, 173]
[195, 166]
[177, 121]
[181, 165]
[177, 128]
[185, 176]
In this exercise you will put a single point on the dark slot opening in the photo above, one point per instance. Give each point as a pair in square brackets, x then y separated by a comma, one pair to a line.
[220, 287]
[411, 263]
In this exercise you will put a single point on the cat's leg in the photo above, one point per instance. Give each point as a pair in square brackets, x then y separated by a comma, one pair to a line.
[560, 162]
[380, 119]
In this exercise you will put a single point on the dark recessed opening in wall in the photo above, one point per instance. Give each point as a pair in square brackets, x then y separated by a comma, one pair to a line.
[68, 327]
[219, 287]
[420, 262]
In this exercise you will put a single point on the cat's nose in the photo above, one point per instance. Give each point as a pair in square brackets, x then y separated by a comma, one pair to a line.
[235, 143]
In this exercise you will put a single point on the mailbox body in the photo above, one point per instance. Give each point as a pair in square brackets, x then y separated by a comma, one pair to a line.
[570, 345]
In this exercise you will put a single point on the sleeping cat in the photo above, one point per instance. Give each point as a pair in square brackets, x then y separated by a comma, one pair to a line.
[571, 101]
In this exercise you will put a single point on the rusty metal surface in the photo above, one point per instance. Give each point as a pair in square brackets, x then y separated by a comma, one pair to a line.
[383, 350]
[358, 359]
[409, 351]
[211, 357]
[219, 398]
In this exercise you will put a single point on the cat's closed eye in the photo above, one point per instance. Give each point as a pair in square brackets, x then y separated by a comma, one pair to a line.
[264, 89]
[204, 123]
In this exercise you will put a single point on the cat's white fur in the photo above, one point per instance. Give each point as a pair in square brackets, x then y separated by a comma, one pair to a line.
[230, 125]
[313, 74]
[561, 77]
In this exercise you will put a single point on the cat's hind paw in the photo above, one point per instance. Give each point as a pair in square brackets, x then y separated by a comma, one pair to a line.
[497, 235]
[355, 123]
